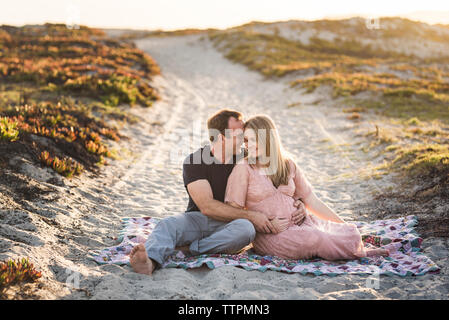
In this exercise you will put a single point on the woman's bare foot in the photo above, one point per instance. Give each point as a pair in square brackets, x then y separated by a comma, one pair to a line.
[377, 252]
[139, 260]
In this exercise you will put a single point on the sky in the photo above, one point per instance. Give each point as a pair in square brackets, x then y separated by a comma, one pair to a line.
[181, 14]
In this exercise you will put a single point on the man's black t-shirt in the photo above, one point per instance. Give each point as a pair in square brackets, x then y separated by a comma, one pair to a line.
[202, 165]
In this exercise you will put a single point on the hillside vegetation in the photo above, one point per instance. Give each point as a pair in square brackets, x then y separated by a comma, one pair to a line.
[58, 88]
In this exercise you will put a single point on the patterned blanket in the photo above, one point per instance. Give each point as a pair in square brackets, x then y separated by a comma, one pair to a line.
[397, 235]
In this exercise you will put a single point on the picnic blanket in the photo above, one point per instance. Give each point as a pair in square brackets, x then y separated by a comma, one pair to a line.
[397, 235]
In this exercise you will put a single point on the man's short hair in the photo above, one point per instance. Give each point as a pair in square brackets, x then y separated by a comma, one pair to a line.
[218, 123]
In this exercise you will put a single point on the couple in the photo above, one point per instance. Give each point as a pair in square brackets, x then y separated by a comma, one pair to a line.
[259, 197]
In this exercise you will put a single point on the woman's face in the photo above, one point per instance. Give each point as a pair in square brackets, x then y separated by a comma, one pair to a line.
[250, 141]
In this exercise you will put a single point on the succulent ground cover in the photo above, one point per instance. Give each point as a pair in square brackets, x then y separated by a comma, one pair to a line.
[62, 84]
[17, 272]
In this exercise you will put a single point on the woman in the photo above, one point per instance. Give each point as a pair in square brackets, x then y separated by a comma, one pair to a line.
[269, 182]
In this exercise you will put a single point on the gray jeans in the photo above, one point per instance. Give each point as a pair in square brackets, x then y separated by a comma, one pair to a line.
[203, 234]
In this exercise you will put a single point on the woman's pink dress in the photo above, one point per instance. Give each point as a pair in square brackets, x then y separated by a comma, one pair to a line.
[250, 188]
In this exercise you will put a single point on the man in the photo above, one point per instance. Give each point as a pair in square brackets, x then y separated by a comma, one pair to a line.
[208, 225]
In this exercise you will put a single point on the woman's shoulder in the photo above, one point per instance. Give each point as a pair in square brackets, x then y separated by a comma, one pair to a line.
[294, 168]
[291, 165]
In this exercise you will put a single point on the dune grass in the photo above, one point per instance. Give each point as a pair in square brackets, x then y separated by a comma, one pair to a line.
[420, 164]
[419, 159]
[348, 66]
[345, 66]
[62, 85]
[274, 55]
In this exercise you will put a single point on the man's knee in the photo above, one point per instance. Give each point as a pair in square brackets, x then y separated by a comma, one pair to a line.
[244, 230]
[167, 223]
[182, 228]
[173, 226]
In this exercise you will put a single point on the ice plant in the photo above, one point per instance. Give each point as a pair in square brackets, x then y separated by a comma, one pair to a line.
[66, 166]
[82, 62]
[8, 129]
[63, 124]
[19, 271]
[61, 84]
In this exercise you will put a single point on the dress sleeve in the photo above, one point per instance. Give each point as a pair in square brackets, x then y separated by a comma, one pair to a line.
[303, 186]
[237, 186]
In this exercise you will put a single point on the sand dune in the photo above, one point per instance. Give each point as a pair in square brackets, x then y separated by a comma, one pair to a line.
[348, 29]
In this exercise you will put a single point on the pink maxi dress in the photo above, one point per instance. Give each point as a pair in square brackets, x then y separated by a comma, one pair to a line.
[250, 188]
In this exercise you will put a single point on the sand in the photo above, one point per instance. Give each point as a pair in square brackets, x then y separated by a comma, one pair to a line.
[58, 230]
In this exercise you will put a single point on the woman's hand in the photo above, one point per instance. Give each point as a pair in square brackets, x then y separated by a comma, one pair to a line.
[280, 224]
[299, 215]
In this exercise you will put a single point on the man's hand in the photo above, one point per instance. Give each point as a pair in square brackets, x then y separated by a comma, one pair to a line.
[299, 215]
[261, 222]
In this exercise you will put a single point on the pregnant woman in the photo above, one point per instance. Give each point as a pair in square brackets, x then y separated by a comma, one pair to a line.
[268, 181]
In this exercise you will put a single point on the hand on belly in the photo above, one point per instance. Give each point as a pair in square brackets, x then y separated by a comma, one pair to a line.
[280, 224]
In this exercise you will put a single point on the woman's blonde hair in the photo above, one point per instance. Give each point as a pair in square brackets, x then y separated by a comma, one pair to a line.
[275, 156]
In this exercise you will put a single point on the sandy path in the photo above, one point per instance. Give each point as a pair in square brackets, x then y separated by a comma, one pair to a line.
[197, 81]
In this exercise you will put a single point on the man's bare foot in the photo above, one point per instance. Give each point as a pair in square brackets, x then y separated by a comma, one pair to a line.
[139, 260]
[377, 252]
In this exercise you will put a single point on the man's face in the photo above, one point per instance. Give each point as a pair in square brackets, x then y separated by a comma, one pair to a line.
[235, 133]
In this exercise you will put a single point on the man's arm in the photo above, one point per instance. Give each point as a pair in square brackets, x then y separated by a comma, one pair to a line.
[202, 195]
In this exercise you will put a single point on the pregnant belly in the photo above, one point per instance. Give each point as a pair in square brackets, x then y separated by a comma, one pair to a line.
[280, 207]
